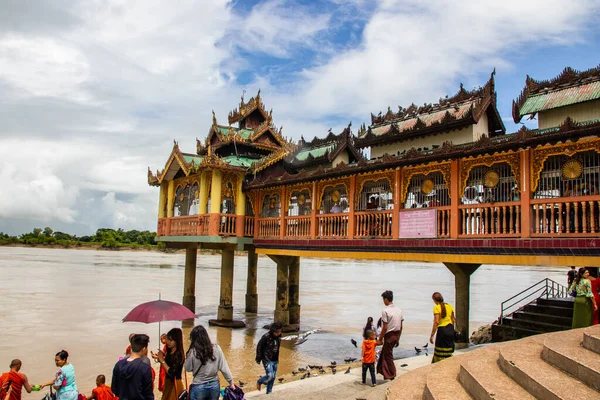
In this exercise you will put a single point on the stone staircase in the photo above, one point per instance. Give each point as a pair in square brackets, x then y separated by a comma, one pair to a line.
[560, 365]
[541, 316]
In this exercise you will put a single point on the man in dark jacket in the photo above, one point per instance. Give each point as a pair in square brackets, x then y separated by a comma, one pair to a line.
[267, 352]
[132, 376]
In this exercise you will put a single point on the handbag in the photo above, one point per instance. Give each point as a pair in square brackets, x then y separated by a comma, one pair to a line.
[233, 394]
[50, 396]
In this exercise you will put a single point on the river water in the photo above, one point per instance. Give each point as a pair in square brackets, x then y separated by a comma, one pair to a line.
[55, 299]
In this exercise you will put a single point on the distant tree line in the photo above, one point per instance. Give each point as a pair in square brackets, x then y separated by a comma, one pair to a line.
[106, 238]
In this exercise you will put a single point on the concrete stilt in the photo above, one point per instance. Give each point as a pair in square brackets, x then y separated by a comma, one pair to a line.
[281, 300]
[225, 312]
[189, 282]
[251, 291]
[462, 282]
[294, 290]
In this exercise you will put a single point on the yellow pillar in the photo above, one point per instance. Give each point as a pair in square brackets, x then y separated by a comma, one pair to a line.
[215, 203]
[170, 198]
[162, 200]
[203, 193]
[240, 208]
[215, 192]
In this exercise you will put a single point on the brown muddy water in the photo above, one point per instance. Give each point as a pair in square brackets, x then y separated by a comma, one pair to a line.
[55, 299]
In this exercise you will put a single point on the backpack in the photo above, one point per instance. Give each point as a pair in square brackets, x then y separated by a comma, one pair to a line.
[233, 394]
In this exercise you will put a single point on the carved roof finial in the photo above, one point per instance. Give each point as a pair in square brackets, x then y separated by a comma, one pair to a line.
[214, 118]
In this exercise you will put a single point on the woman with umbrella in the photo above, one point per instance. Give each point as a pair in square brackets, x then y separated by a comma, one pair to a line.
[172, 362]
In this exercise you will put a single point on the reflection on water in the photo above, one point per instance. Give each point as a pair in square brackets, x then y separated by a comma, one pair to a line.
[75, 299]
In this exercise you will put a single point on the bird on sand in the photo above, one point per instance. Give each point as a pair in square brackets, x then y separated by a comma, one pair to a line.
[333, 371]
[417, 350]
[303, 376]
[426, 344]
[280, 380]
[347, 371]
[354, 343]
[294, 372]
[241, 384]
[333, 363]
[302, 369]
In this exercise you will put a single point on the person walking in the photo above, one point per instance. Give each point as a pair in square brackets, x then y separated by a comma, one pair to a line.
[204, 360]
[132, 376]
[172, 362]
[14, 381]
[267, 352]
[370, 326]
[443, 324]
[585, 304]
[64, 380]
[368, 357]
[571, 276]
[391, 318]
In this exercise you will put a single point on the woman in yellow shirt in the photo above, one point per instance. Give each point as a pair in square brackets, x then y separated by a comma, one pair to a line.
[443, 323]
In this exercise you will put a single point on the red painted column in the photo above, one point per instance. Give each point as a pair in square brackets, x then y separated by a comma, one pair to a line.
[351, 202]
[525, 193]
[397, 203]
[455, 197]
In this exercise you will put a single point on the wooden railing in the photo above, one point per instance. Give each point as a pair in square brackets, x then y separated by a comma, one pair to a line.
[332, 225]
[369, 224]
[194, 225]
[249, 226]
[574, 216]
[227, 224]
[443, 222]
[162, 226]
[490, 220]
[269, 227]
[297, 227]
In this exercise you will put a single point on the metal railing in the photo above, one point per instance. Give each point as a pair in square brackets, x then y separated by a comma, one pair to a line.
[546, 288]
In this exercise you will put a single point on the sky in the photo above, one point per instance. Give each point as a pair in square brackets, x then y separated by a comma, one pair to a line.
[93, 92]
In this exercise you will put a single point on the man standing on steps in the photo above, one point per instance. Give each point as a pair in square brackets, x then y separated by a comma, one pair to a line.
[391, 317]
[571, 276]
[267, 352]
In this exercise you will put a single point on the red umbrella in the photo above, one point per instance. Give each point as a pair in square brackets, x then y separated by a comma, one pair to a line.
[157, 311]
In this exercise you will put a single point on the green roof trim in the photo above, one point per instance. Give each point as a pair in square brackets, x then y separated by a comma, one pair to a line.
[195, 159]
[560, 98]
[243, 133]
[315, 152]
[239, 161]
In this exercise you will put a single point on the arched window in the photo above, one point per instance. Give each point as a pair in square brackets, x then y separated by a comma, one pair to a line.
[427, 191]
[227, 205]
[564, 176]
[335, 200]
[181, 205]
[271, 207]
[375, 195]
[490, 185]
[300, 203]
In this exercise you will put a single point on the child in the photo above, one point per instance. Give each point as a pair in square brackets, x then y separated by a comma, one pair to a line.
[368, 357]
[101, 392]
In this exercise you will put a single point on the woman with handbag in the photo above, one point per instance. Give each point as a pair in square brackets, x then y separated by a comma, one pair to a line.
[585, 303]
[205, 360]
[172, 362]
[64, 380]
[443, 325]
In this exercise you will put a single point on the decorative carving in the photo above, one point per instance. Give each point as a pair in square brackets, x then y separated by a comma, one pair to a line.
[513, 159]
[425, 170]
[188, 180]
[491, 179]
[297, 188]
[572, 169]
[540, 155]
[427, 186]
[374, 176]
[322, 185]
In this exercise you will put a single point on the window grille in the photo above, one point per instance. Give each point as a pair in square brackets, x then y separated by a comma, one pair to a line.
[564, 176]
[427, 191]
[375, 195]
[186, 201]
[271, 206]
[300, 203]
[490, 185]
[335, 200]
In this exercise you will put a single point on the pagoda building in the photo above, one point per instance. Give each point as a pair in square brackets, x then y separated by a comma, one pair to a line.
[573, 94]
[462, 118]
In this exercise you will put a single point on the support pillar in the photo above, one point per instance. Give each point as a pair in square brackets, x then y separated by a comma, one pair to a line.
[462, 282]
[225, 311]
[170, 198]
[162, 200]
[251, 292]
[189, 282]
[203, 204]
[294, 291]
[281, 300]
[215, 203]
[240, 208]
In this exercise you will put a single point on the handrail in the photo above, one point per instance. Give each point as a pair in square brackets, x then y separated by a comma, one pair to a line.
[546, 287]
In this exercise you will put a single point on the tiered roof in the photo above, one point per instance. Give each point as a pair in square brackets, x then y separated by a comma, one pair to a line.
[463, 109]
[570, 87]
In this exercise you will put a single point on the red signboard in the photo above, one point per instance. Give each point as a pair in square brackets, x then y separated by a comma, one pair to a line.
[418, 223]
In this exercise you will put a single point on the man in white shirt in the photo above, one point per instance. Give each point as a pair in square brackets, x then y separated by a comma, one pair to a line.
[392, 318]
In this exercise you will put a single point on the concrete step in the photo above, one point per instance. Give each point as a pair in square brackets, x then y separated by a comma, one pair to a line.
[591, 338]
[547, 318]
[564, 351]
[557, 302]
[501, 333]
[523, 363]
[443, 384]
[483, 379]
[542, 327]
[411, 385]
[549, 310]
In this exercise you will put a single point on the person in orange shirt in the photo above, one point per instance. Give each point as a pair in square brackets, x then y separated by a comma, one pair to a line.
[102, 392]
[162, 373]
[368, 357]
[14, 381]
